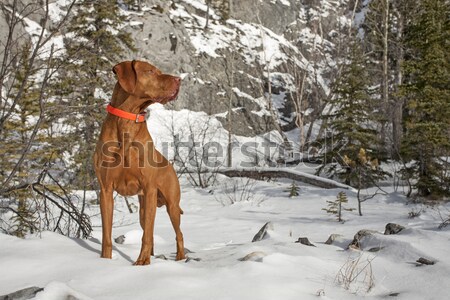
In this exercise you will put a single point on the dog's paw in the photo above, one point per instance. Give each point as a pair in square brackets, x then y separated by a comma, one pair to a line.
[180, 256]
[142, 262]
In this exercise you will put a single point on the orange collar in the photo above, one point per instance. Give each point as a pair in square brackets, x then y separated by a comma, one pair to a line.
[138, 118]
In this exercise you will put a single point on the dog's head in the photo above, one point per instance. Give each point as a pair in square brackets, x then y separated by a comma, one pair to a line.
[146, 82]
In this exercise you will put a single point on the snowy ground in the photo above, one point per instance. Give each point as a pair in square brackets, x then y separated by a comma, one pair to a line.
[220, 235]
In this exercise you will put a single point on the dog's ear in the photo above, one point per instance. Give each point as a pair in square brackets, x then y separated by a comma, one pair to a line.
[126, 75]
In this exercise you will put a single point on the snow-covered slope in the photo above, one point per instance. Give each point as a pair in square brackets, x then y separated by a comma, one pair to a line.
[219, 236]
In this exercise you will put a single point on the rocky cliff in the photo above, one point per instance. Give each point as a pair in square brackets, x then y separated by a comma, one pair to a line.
[230, 51]
[244, 57]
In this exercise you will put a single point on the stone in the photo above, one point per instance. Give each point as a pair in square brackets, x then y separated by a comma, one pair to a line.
[262, 233]
[356, 243]
[376, 249]
[23, 294]
[332, 238]
[120, 239]
[392, 228]
[188, 259]
[423, 261]
[161, 256]
[186, 251]
[305, 241]
[254, 256]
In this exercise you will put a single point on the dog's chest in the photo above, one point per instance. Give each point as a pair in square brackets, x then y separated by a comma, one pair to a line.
[126, 182]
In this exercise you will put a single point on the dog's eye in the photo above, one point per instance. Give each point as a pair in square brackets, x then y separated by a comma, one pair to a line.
[150, 72]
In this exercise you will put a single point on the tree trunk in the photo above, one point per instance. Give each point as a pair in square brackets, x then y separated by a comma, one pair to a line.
[230, 111]
[385, 75]
[298, 103]
[397, 114]
[359, 194]
[340, 211]
[208, 3]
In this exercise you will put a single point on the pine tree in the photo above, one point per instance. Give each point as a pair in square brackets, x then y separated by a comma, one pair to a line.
[377, 37]
[335, 207]
[426, 142]
[366, 172]
[352, 121]
[27, 144]
[95, 42]
[293, 190]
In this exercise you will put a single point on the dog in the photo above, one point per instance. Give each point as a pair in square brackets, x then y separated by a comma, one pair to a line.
[126, 160]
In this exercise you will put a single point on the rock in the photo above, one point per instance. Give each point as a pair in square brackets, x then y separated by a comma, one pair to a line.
[304, 241]
[26, 293]
[262, 233]
[375, 249]
[186, 251]
[333, 237]
[134, 208]
[161, 256]
[392, 228]
[254, 256]
[120, 239]
[423, 261]
[188, 259]
[356, 243]
[394, 294]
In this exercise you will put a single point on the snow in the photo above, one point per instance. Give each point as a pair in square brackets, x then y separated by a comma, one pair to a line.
[285, 2]
[205, 130]
[221, 235]
[56, 9]
[201, 5]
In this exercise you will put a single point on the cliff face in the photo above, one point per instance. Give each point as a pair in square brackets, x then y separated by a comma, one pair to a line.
[243, 46]
[229, 52]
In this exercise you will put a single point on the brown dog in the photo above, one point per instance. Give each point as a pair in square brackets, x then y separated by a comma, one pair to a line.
[126, 160]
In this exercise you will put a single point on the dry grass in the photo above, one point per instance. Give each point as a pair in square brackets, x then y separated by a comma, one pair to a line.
[356, 274]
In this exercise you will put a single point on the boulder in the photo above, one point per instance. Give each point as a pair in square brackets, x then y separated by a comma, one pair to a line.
[423, 261]
[332, 238]
[262, 233]
[305, 241]
[26, 293]
[356, 243]
[254, 256]
[392, 228]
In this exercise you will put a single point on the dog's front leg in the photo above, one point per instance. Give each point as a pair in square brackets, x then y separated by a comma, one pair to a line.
[149, 212]
[106, 209]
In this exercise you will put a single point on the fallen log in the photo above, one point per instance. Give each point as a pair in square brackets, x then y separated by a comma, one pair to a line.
[268, 173]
